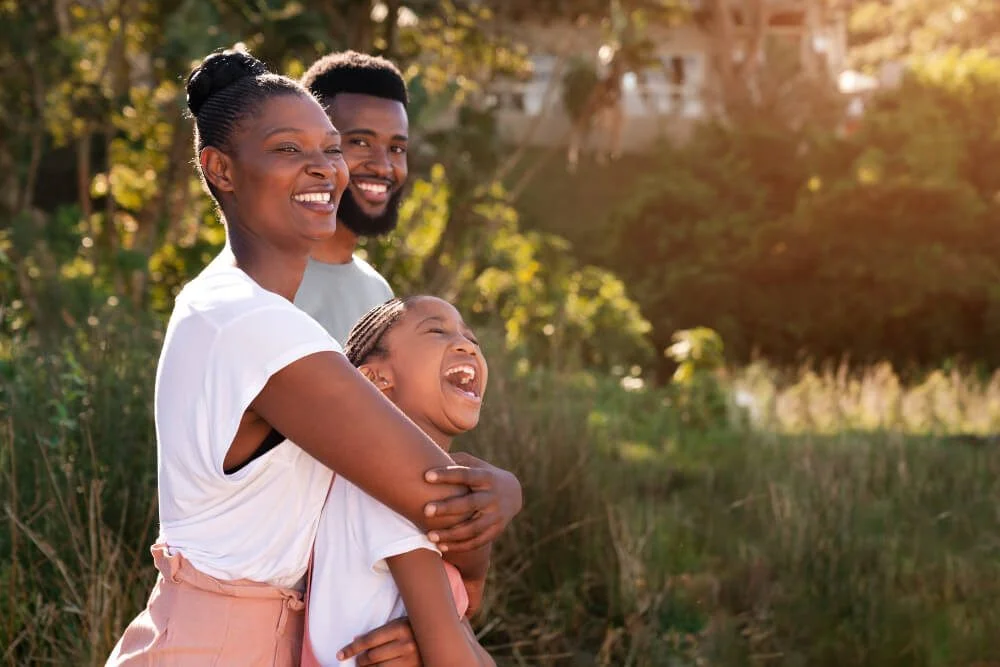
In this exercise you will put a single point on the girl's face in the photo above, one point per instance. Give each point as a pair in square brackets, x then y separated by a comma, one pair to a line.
[283, 179]
[433, 369]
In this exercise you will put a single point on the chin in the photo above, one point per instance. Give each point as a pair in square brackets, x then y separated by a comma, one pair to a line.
[465, 423]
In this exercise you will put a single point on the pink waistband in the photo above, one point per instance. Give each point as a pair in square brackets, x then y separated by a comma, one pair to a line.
[177, 569]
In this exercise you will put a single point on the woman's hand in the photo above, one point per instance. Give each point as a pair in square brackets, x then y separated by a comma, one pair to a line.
[494, 500]
[391, 645]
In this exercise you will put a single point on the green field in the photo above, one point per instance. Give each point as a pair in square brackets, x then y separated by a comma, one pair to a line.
[850, 520]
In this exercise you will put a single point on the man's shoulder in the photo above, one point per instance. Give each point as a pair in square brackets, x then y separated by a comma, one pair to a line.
[364, 267]
[369, 271]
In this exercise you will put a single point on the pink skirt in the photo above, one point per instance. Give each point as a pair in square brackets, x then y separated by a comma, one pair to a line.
[193, 619]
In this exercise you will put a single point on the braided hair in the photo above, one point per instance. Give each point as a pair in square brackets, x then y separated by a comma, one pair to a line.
[365, 339]
[223, 90]
[353, 72]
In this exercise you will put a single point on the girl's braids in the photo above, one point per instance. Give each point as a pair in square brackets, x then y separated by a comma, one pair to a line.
[365, 339]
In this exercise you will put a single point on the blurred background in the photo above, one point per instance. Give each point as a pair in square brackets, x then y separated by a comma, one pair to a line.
[737, 263]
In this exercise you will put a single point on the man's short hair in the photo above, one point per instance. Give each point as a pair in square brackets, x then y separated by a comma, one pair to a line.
[354, 72]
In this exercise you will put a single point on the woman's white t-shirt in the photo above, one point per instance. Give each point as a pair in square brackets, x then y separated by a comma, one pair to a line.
[226, 337]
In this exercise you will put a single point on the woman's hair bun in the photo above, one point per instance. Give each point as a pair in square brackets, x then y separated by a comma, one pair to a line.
[217, 71]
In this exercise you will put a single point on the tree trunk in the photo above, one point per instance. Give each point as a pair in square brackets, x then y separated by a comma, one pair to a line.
[83, 175]
[361, 35]
[156, 218]
[391, 28]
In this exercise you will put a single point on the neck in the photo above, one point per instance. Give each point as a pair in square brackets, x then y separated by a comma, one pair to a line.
[338, 249]
[273, 269]
[440, 438]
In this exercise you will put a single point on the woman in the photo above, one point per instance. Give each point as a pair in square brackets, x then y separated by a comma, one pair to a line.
[241, 368]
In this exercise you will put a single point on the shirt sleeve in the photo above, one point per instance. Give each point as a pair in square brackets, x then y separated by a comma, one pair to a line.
[380, 532]
[244, 355]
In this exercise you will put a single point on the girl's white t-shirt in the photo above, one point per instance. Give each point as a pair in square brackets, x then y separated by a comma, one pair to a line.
[226, 337]
[352, 590]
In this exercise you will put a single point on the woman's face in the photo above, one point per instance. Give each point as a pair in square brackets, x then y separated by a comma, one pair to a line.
[433, 370]
[285, 175]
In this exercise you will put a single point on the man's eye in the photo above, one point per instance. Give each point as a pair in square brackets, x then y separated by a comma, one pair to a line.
[335, 151]
[287, 149]
[360, 142]
[398, 149]
[436, 330]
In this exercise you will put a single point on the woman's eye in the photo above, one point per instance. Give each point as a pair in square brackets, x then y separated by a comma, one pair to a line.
[335, 151]
[360, 142]
[287, 149]
[436, 330]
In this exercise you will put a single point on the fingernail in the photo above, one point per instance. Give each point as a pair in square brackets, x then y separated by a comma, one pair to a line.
[430, 510]
[443, 547]
[340, 655]
[432, 476]
[433, 537]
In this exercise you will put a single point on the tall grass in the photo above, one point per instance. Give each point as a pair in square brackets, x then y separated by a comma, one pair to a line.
[836, 526]
[77, 481]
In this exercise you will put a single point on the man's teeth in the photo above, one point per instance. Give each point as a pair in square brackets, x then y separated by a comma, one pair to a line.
[320, 197]
[378, 188]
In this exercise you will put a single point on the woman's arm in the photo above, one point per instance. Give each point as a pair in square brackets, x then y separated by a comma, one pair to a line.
[325, 406]
[443, 639]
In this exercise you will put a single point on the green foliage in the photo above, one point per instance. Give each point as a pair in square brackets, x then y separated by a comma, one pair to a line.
[699, 395]
[885, 30]
[553, 311]
[881, 244]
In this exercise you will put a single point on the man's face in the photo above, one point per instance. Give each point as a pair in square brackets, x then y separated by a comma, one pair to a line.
[374, 132]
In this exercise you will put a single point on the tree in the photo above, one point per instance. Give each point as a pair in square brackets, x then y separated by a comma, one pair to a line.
[895, 30]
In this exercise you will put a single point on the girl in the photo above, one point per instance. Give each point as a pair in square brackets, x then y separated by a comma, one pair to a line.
[242, 368]
[370, 564]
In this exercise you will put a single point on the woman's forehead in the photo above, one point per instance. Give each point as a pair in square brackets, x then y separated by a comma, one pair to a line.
[291, 112]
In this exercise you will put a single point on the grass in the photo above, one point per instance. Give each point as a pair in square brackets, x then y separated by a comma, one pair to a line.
[834, 519]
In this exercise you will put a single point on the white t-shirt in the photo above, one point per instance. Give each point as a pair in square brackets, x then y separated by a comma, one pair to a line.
[352, 590]
[338, 295]
[226, 337]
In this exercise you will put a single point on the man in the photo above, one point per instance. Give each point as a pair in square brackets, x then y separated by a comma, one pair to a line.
[366, 99]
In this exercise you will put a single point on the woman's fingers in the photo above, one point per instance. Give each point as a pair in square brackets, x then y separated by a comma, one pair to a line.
[482, 528]
[474, 478]
[462, 507]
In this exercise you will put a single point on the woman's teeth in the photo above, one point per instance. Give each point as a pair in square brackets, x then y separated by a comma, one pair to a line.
[318, 197]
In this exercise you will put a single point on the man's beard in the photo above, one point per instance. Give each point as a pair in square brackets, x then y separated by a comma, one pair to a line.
[362, 224]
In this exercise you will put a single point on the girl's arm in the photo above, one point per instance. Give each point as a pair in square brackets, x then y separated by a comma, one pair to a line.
[443, 639]
[325, 406]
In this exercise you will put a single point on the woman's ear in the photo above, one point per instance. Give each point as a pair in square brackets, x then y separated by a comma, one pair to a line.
[217, 167]
[378, 376]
